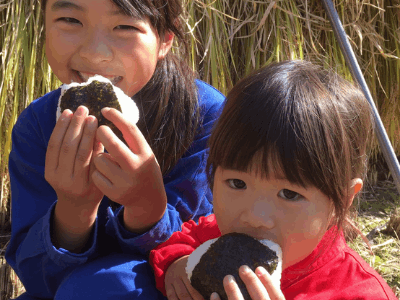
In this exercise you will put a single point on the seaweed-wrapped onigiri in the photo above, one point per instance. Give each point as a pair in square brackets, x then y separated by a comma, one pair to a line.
[96, 93]
[212, 261]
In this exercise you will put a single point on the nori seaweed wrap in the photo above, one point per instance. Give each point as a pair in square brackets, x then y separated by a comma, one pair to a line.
[98, 92]
[212, 261]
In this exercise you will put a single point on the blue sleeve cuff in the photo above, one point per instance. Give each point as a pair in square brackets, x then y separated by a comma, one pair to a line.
[61, 256]
[145, 242]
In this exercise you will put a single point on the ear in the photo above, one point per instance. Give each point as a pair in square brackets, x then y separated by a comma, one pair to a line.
[166, 44]
[355, 186]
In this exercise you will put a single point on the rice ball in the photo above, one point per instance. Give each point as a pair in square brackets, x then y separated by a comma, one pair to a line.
[213, 260]
[98, 92]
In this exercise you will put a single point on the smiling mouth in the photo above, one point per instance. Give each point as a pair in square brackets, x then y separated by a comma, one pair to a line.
[85, 76]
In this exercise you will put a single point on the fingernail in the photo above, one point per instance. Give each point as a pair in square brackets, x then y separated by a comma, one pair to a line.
[91, 121]
[105, 109]
[230, 279]
[80, 111]
[214, 296]
[260, 271]
[245, 269]
[66, 114]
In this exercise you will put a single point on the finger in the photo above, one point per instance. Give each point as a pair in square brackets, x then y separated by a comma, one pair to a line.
[253, 284]
[110, 170]
[181, 290]
[101, 182]
[121, 153]
[215, 296]
[275, 293]
[170, 292]
[132, 135]
[85, 149]
[192, 291]
[107, 165]
[231, 288]
[97, 149]
[72, 139]
[55, 142]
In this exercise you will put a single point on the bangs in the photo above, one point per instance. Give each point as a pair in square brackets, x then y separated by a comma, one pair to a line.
[136, 9]
[265, 141]
[162, 14]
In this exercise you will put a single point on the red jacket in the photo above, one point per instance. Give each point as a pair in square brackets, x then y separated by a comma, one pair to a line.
[337, 273]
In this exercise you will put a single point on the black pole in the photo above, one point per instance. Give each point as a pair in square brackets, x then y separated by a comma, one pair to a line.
[355, 70]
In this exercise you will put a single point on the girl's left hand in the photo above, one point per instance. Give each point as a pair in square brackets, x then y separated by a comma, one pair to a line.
[260, 286]
[130, 176]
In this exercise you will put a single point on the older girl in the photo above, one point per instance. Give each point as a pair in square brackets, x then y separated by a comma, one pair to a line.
[63, 231]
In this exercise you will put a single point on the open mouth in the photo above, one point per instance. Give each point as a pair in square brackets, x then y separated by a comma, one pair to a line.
[85, 76]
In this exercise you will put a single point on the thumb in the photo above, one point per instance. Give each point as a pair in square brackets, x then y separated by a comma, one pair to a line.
[215, 296]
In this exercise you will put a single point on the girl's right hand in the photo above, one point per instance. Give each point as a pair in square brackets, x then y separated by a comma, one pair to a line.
[68, 170]
[177, 284]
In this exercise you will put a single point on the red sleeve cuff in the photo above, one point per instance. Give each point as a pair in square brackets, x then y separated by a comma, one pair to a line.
[180, 244]
[161, 260]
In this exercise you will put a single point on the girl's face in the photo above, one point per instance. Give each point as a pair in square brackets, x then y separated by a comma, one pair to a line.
[88, 37]
[292, 216]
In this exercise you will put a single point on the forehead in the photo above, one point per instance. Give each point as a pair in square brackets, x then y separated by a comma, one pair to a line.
[84, 6]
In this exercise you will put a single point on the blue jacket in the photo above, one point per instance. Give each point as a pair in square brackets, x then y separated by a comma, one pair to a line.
[41, 266]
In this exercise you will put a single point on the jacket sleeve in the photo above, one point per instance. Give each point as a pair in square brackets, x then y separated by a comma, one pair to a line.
[40, 266]
[188, 194]
[181, 244]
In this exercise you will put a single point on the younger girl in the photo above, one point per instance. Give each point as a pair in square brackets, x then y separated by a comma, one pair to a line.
[287, 157]
[63, 230]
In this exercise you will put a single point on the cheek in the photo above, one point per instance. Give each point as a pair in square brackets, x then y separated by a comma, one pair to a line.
[308, 225]
[58, 51]
[221, 218]
[218, 207]
[315, 227]
[317, 221]
[53, 57]
[61, 42]
[138, 72]
[224, 213]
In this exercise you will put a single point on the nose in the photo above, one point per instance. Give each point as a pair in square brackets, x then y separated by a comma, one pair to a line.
[259, 214]
[97, 48]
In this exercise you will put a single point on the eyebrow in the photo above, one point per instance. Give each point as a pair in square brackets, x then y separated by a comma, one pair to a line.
[62, 4]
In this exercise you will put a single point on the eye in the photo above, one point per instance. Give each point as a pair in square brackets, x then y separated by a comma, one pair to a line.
[290, 195]
[69, 20]
[237, 184]
[126, 27]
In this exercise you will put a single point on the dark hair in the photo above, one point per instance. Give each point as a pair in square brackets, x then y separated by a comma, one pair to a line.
[298, 119]
[169, 111]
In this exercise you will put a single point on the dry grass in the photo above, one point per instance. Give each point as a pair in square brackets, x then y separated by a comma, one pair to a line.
[376, 209]
[10, 286]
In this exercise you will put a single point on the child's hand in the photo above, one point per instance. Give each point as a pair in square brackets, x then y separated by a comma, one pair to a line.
[68, 169]
[68, 165]
[260, 286]
[177, 284]
[130, 176]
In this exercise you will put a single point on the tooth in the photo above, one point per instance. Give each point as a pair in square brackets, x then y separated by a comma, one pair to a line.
[86, 76]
